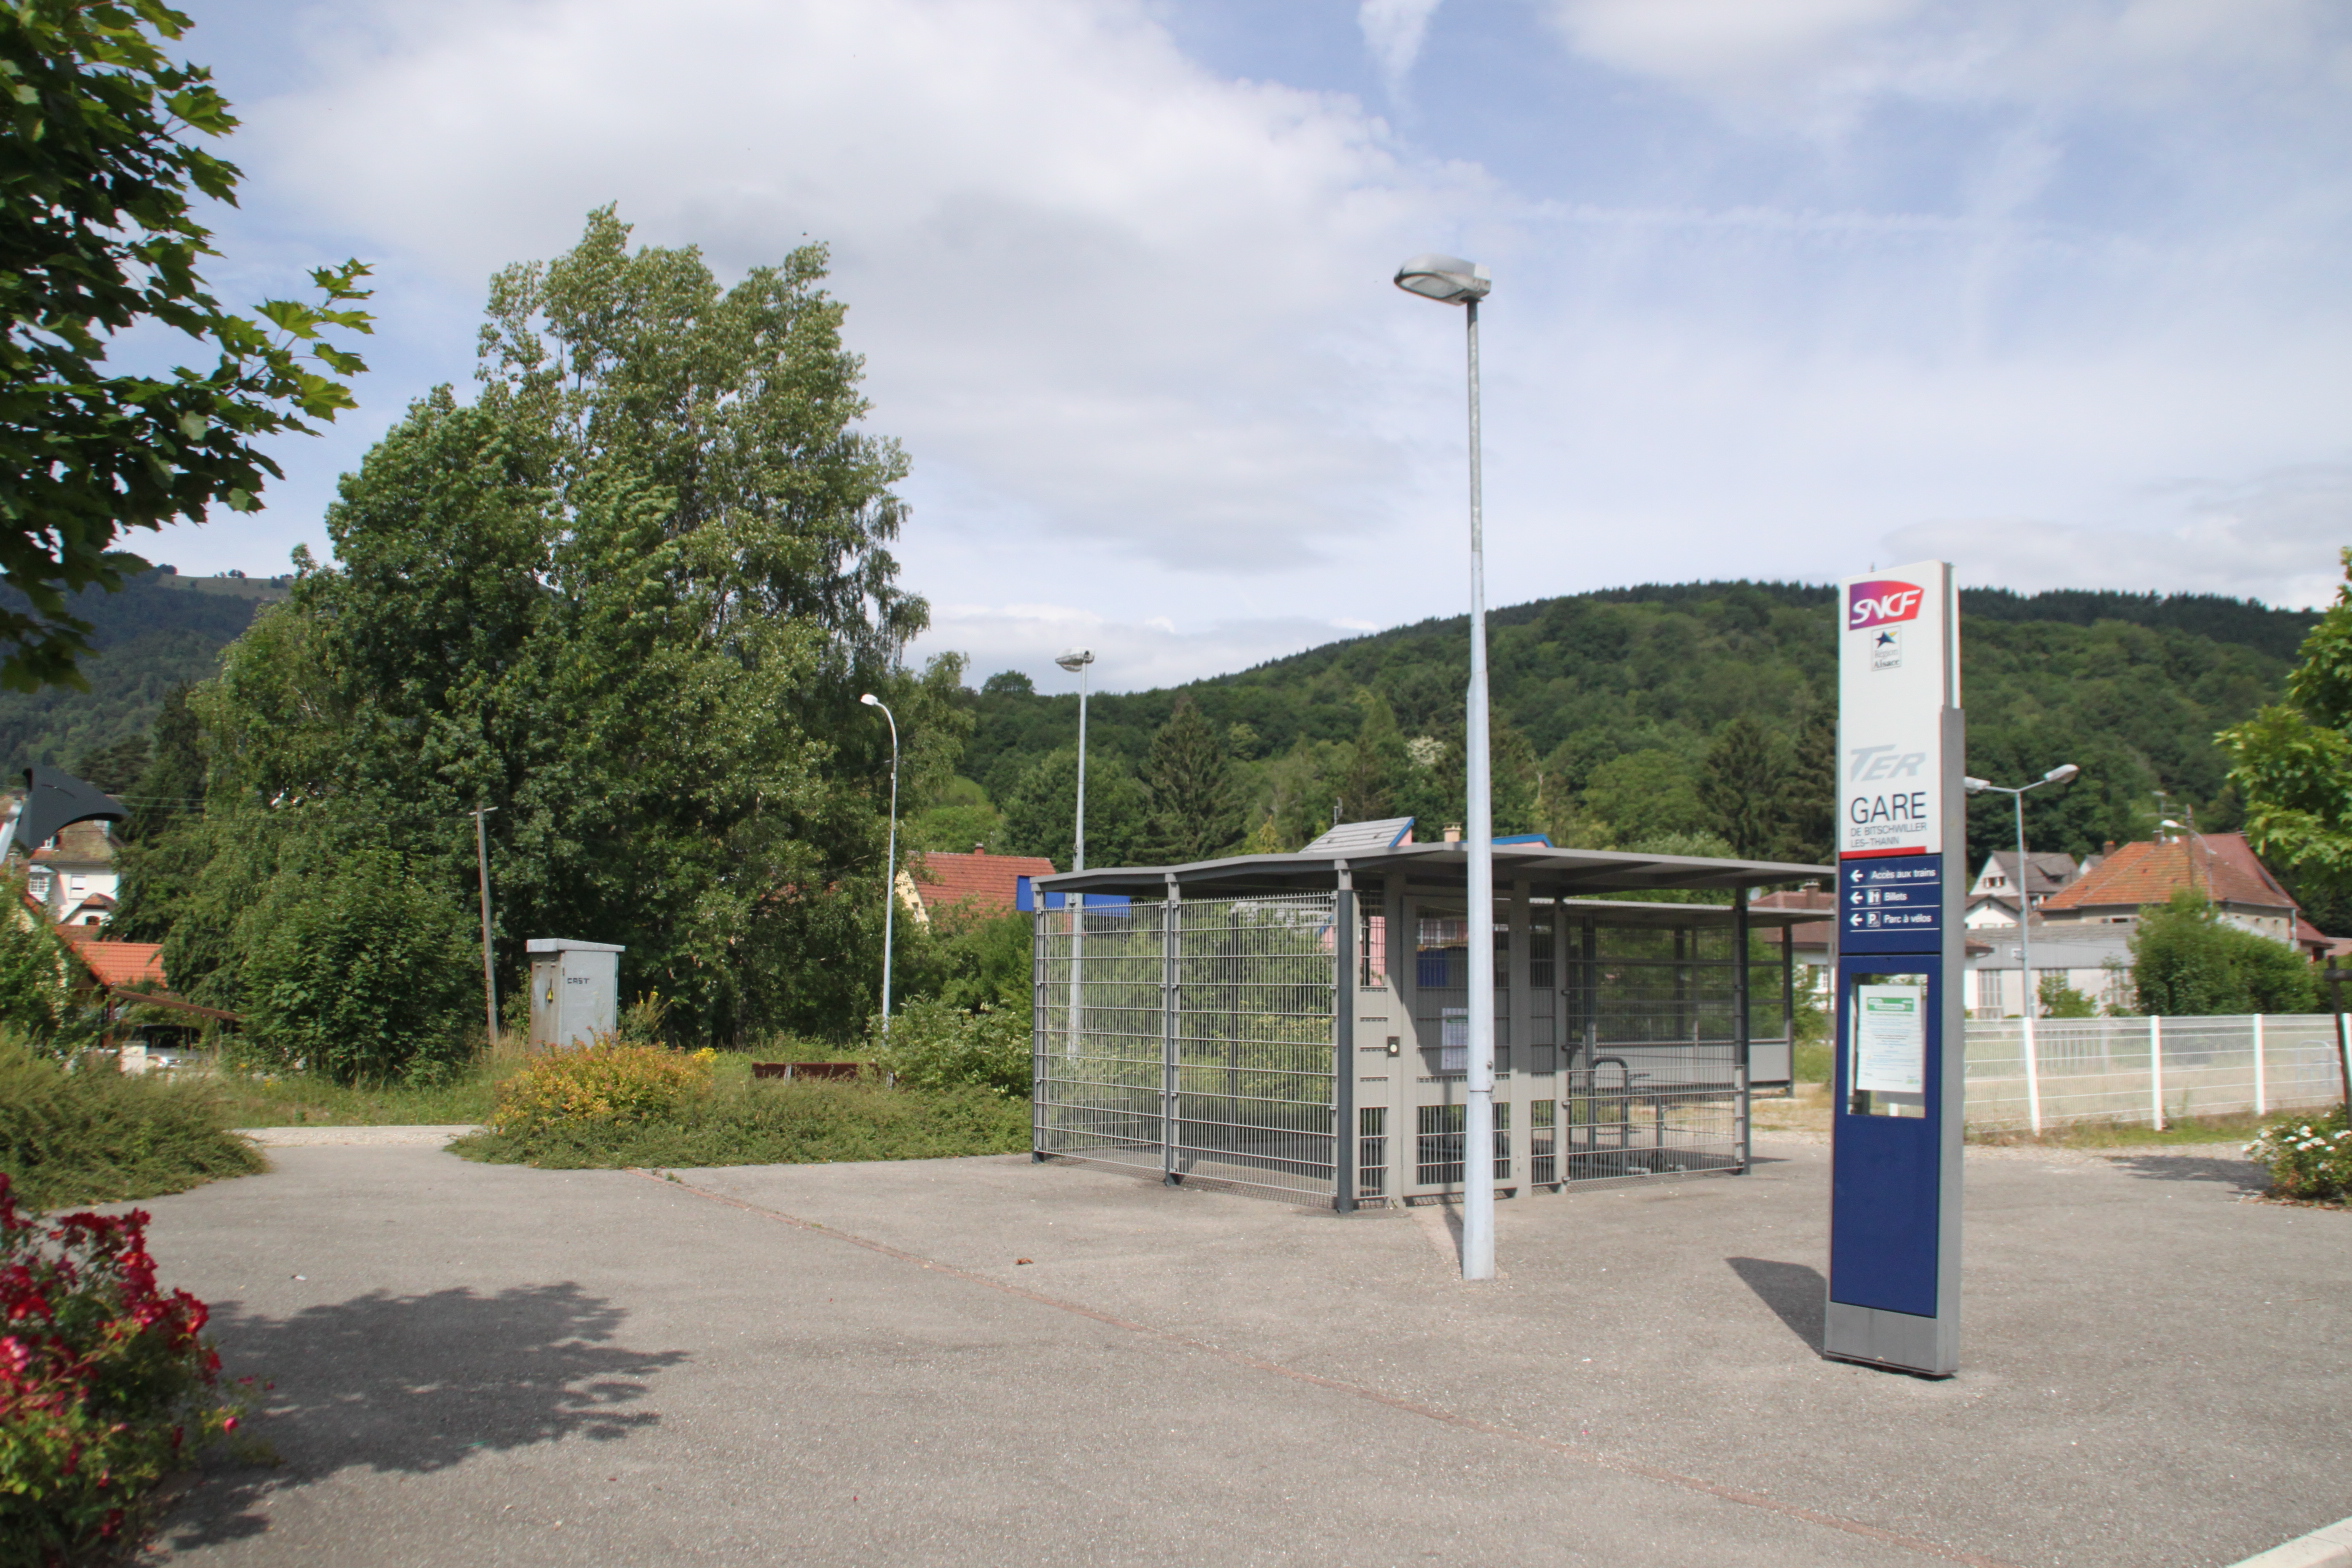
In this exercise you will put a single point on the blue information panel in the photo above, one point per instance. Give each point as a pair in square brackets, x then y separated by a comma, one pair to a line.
[1893, 904]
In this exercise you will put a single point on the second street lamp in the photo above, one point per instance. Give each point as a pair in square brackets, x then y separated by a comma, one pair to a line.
[1077, 661]
[2033, 1076]
[1452, 281]
[889, 870]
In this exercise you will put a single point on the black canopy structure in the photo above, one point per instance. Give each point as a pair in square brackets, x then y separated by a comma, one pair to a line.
[54, 801]
[1566, 873]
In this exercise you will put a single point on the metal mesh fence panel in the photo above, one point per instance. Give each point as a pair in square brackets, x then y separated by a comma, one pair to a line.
[1255, 1041]
[1097, 1049]
[1205, 1051]
[2135, 1069]
[1653, 1081]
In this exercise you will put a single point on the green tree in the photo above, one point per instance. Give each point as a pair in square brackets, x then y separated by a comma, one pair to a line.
[1040, 814]
[1744, 785]
[1189, 782]
[1808, 809]
[2187, 962]
[1379, 770]
[103, 156]
[1647, 795]
[627, 600]
[2292, 762]
[358, 970]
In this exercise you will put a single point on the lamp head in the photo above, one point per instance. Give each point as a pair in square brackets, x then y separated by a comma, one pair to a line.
[1076, 659]
[2061, 773]
[1976, 786]
[1447, 279]
[870, 700]
[2169, 823]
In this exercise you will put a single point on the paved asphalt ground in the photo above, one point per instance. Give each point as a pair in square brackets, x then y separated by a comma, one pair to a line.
[481, 1365]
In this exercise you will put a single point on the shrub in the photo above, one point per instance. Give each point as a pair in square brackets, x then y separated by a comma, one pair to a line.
[935, 1046]
[2309, 1157]
[97, 1136]
[604, 1085]
[105, 1386]
[2186, 962]
[746, 1122]
[362, 974]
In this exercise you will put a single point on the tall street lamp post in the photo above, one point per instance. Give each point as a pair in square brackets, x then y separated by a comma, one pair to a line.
[2033, 1075]
[890, 868]
[1452, 281]
[489, 974]
[1077, 661]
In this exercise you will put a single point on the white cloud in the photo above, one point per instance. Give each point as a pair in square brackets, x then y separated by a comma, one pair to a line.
[1813, 56]
[2274, 539]
[1133, 320]
[1393, 31]
[1095, 284]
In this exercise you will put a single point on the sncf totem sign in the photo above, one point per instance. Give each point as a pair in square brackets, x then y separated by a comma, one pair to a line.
[1894, 1269]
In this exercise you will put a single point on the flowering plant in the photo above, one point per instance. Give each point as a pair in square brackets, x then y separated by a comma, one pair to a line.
[106, 1386]
[2308, 1157]
[606, 1083]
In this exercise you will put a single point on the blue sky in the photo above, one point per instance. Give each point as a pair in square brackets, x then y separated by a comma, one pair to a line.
[2053, 289]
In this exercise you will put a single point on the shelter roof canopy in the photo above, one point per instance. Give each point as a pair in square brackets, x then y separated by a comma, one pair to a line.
[1562, 872]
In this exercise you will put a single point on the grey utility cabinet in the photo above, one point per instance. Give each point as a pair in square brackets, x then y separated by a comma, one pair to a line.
[575, 990]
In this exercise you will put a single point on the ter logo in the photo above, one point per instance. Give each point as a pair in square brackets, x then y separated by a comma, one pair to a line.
[1881, 603]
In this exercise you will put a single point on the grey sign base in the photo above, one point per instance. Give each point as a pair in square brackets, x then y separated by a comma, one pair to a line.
[1903, 1341]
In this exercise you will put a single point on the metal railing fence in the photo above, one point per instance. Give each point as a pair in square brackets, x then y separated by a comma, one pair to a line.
[2152, 1070]
[1195, 1039]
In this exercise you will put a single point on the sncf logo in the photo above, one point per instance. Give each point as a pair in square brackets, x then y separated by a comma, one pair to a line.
[1881, 604]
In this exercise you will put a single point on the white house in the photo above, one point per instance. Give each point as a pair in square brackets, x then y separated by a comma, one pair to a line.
[1992, 899]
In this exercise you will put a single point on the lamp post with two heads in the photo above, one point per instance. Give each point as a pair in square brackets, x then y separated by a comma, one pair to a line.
[1452, 281]
[2057, 775]
[890, 868]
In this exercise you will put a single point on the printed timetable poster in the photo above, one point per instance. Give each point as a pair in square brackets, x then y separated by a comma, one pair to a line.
[1897, 673]
[1890, 1039]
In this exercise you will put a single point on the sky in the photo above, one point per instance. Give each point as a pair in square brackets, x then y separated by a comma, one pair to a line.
[1784, 289]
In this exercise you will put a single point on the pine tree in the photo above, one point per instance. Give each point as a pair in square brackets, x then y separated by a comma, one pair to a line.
[1744, 785]
[1194, 810]
[1808, 803]
[1380, 768]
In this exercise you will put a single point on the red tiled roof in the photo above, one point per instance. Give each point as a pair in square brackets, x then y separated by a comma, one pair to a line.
[116, 963]
[2222, 866]
[992, 882]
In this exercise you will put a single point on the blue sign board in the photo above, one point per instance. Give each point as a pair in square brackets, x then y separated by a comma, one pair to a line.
[1891, 905]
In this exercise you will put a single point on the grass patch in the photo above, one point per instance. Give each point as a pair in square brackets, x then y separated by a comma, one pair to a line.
[98, 1136]
[302, 1100]
[1809, 1063]
[2116, 1135]
[740, 1121]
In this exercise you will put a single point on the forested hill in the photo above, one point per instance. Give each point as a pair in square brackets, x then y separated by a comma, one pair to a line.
[1610, 705]
[162, 630]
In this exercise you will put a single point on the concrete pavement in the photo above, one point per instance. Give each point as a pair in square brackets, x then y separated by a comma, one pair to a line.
[850, 1364]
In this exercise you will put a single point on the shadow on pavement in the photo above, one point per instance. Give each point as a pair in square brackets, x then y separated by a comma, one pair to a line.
[417, 1383]
[1795, 1292]
[2242, 1174]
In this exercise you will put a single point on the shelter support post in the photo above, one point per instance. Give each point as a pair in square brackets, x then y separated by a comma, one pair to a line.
[2155, 1072]
[1037, 1087]
[1343, 1040]
[1743, 1080]
[1171, 1034]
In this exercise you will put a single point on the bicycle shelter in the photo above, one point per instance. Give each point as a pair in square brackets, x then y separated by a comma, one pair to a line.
[1296, 1025]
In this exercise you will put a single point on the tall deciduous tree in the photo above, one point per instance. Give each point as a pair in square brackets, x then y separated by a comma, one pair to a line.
[1189, 778]
[101, 159]
[2292, 762]
[630, 613]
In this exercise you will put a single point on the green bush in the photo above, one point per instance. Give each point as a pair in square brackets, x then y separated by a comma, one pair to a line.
[740, 1121]
[932, 1045]
[361, 974]
[93, 1135]
[607, 1084]
[2187, 963]
[2309, 1156]
[106, 1387]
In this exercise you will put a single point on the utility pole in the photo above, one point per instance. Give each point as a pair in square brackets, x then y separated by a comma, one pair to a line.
[489, 971]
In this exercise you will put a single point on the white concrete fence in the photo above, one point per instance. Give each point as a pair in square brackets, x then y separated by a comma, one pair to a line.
[2149, 1070]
